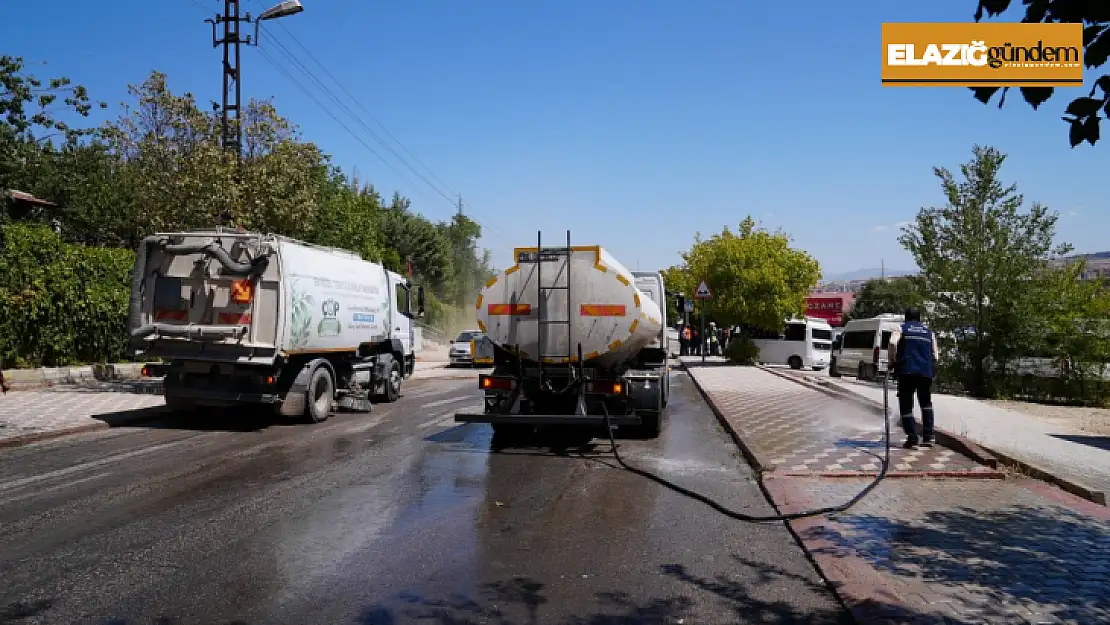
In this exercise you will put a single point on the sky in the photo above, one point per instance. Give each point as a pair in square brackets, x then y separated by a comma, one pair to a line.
[633, 123]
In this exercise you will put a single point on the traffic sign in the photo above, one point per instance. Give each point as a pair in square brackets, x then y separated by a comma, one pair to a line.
[689, 306]
[703, 291]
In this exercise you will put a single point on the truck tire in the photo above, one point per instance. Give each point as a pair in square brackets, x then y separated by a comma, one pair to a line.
[391, 385]
[319, 396]
[795, 362]
[179, 404]
[651, 424]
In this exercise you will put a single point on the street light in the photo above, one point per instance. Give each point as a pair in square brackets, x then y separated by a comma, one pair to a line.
[282, 9]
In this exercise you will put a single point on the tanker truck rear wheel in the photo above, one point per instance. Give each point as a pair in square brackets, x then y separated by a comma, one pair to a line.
[318, 399]
[179, 404]
[651, 424]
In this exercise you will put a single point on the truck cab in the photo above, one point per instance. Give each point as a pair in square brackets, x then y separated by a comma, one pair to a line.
[658, 352]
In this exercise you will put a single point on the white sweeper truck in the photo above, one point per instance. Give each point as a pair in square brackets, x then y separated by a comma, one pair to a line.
[576, 338]
[246, 318]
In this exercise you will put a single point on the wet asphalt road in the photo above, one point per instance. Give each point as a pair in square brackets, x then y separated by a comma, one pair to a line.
[395, 517]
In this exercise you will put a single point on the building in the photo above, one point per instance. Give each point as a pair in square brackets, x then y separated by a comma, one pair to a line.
[830, 306]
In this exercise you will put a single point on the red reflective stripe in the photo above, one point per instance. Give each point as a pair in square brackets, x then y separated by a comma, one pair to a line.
[233, 317]
[167, 314]
[603, 310]
[509, 309]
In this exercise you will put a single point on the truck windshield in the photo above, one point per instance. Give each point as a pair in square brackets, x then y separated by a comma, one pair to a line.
[466, 337]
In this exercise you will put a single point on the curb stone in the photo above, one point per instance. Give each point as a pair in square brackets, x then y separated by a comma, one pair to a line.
[778, 508]
[997, 457]
[28, 379]
[748, 449]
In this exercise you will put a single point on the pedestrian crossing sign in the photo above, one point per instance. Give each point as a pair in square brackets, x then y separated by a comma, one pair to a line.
[703, 291]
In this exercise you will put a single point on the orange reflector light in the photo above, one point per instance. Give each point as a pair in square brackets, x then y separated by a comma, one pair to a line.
[269, 379]
[146, 372]
[605, 387]
[489, 383]
[509, 309]
[242, 291]
[602, 310]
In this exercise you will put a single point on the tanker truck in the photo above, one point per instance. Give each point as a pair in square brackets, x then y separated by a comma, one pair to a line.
[246, 318]
[575, 336]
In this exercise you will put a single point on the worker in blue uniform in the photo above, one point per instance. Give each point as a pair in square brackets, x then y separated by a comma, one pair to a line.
[913, 353]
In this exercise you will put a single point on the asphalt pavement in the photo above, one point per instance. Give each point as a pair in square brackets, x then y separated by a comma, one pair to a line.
[394, 517]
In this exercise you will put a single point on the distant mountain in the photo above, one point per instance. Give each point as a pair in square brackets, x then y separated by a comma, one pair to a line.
[867, 274]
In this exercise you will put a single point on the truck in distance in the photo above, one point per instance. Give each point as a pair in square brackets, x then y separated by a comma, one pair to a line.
[248, 318]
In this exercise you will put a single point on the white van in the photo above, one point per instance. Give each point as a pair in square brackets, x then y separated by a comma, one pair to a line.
[863, 345]
[802, 343]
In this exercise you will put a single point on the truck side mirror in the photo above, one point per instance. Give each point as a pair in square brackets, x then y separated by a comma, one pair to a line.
[420, 301]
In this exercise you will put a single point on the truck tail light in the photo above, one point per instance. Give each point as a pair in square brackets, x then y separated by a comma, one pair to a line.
[606, 387]
[491, 383]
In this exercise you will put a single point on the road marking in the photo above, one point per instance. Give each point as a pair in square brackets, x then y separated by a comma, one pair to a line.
[449, 400]
[447, 419]
[84, 466]
[50, 489]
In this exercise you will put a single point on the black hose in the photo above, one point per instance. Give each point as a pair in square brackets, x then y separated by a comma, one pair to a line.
[215, 250]
[740, 516]
[138, 275]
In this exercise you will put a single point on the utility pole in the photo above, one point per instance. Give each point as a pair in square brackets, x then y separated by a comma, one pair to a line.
[230, 131]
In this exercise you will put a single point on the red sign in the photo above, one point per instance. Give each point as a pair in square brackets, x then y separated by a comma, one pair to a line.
[830, 309]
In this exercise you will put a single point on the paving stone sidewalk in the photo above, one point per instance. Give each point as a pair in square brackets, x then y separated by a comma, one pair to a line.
[969, 551]
[1078, 458]
[920, 550]
[795, 430]
[65, 408]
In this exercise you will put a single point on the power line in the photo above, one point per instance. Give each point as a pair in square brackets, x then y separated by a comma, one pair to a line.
[308, 72]
[359, 104]
[293, 58]
[301, 67]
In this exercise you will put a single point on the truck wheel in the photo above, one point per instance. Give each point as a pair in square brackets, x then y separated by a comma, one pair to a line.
[393, 382]
[179, 404]
[651, 424]
[833, 373]
[318, 397]
[861, 373]
[794, 362]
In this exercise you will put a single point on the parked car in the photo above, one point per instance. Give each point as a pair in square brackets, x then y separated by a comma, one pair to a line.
[460, 354]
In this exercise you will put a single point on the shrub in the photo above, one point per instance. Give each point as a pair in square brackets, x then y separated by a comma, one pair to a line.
[741, 351]
[60, 304]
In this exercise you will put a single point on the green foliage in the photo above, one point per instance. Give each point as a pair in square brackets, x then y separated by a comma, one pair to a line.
[985, 267]
[1082, 113]
[880, 296]
[755, 277]
[741, 350]
[160, 167]
[61, 304]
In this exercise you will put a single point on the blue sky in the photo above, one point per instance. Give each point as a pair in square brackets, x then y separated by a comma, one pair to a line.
[635, 123]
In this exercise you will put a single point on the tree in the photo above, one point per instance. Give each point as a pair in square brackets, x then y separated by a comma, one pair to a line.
[880, 296]
[1082, 113]
[1076, 328]
[755, 277]
[979, 256]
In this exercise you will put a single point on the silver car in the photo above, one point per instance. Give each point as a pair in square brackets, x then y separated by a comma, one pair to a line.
[459, 353]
